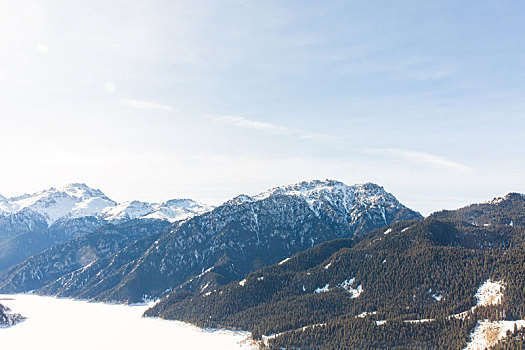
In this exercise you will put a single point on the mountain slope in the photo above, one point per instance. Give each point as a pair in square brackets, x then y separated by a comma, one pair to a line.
[78, 253]
[506, 210]
[18, 248]
[396, 287]
[240, 236]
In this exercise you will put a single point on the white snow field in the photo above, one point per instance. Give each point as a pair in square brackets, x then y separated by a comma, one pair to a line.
[70, 324]
[487, 334]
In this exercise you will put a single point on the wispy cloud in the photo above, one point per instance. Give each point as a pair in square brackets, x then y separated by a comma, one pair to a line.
[270, 128]
[140, 104]
[419, 157]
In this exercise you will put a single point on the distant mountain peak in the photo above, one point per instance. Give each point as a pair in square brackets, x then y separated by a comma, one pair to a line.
[76, 200]
[335, 194]
[316, 187]
[301, 188]
[179, 201]
[81, 190]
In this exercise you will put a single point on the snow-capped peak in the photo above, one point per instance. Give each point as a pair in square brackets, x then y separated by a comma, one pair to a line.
[80, 190]
[171, 210]
[316, 189]
[56, 203]
[178, 209]
[79, 200]
[128, 211]
[349, 204]
[336, 193]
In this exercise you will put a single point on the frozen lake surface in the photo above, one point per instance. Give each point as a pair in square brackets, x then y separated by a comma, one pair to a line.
[70, 324]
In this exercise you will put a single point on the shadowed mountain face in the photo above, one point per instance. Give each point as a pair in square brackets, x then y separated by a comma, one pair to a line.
[76, 254]
[242, 235]
[395, 287]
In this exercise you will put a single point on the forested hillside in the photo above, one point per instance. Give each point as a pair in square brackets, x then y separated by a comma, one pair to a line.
[411, 285]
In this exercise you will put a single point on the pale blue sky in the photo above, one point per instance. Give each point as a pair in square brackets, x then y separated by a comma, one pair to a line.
[208, 99]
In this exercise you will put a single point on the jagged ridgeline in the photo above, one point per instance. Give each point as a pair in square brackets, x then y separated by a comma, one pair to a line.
[411, 285]
[214, 248]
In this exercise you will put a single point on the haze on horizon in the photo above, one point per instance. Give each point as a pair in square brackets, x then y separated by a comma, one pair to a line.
[209, 99]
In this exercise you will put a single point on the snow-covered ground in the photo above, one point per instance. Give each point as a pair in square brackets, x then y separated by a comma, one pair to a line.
[69, 324]
[487, 333]
[490, 293]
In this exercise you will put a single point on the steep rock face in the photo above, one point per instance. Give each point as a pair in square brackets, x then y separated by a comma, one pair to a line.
[34, 222]
[242, 235]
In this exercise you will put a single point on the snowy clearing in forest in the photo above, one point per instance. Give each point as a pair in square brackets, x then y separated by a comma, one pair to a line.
[490, 293]
[487, 333]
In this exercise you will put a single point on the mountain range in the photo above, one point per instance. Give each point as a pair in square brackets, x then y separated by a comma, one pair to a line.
[313, 265]
[33, 222]
[242, 235]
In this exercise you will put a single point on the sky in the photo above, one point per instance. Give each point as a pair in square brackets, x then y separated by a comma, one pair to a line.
[152, 100]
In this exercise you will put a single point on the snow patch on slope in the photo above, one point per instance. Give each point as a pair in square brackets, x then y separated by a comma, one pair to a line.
[322, 289]
[354, 292]
[284, 261]
[490, 293]
[91, 207]
[487, 334]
